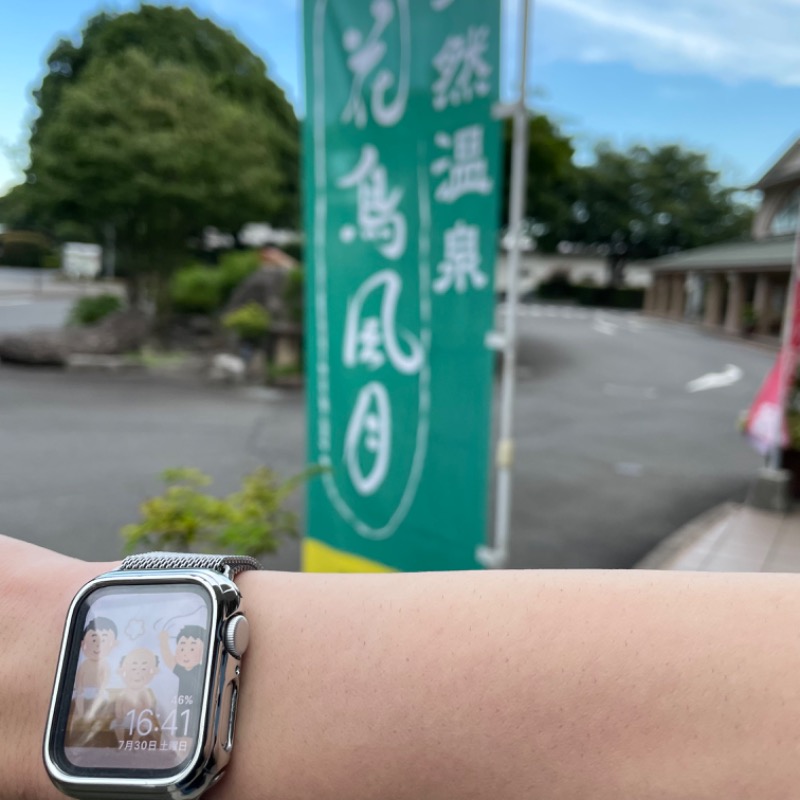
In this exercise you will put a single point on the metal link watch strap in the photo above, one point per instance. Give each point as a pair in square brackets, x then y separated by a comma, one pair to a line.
[231, 565]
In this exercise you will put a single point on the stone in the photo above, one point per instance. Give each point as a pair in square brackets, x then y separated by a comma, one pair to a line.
[42, 348]
[267, 287]
[120, 332]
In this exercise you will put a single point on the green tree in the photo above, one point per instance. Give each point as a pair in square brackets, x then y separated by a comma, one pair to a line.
[552, 178]
[177, 35]
[644, 203]
[153, 151]
[156, 124]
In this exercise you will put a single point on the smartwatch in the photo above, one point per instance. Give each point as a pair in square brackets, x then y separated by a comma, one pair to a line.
[147, 684]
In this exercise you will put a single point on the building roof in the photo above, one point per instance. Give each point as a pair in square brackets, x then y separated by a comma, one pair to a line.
[785, 170]
[775, 253]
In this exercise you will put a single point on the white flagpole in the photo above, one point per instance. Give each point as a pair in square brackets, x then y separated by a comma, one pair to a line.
[784, 356]
[497, 556]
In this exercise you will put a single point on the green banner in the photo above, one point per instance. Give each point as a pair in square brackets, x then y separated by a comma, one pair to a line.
[402, 179]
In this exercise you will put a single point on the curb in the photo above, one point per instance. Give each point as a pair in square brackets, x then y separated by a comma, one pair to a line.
[687, 536]
[86, 361]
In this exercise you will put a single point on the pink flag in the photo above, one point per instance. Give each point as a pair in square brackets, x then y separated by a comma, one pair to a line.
[766, 423]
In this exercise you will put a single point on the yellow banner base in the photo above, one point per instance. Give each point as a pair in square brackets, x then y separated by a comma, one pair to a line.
[319, 557]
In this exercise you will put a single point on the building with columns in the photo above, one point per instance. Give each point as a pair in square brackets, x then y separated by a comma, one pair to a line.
[737, 287]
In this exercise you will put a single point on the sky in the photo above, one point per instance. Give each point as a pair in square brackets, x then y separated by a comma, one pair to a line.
[717, 76]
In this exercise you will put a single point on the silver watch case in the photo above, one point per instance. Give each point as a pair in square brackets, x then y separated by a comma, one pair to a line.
[215, 741]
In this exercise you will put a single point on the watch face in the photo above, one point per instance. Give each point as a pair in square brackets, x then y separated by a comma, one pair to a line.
[134, 681]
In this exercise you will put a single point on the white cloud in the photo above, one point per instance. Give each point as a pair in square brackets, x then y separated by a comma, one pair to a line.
[724, 39]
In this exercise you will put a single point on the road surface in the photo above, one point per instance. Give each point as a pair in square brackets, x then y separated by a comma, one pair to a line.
[615, 448]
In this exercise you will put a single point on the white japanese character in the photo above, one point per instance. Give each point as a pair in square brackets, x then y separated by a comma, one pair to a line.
[462, 260]
[463, 72]
[366, 54]
[467, 170]
[369, 429]
[377, 215]
[370, 339]
[364, 337]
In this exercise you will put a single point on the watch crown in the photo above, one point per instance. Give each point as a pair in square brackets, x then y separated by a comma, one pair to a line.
[237, 635]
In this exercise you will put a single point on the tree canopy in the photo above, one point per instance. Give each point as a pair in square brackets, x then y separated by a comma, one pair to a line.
[172, 35]
[552, 178]
[153, 151]
[157, 124]
[644, 203]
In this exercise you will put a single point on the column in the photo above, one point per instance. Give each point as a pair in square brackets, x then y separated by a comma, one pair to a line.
[715, 290]
[762, 302]
[677, 297]
[650, 295]
[733, 314]
[662, 300]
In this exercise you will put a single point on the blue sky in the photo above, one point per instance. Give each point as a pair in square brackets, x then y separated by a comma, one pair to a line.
[717, 76]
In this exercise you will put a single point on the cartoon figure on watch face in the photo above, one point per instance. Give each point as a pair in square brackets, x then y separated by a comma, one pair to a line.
[136, 707]
[93, 674]
[187, 665]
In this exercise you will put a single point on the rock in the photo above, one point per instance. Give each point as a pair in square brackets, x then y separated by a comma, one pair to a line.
[120, 332]
[42, 348]
[267, 287]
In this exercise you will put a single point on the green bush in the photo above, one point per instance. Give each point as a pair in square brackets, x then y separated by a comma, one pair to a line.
[251, 521]
[250, 323]
[196, 290]
[235, 267]
[51, 260]
[556, 287]
[629, 298]
[89, 310]
[608, 297]
[24, 249]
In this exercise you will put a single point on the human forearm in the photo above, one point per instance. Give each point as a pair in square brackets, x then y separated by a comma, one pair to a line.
[475, 685]
[36, 588]
[530, 684]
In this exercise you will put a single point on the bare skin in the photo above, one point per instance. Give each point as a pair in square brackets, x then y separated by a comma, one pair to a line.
[546, 685]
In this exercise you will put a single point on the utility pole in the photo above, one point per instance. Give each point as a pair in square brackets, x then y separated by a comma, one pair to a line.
[497, 556]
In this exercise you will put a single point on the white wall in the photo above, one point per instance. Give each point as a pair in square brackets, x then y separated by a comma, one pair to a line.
[537, 268]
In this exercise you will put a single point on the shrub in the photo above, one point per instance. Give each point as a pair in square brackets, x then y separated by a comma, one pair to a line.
[235, 267]
[628, 298]
[250, 323]
[24, 249]
[251, 521]
[89, 310]
[196, 290]
[556, 287]
[608, 297]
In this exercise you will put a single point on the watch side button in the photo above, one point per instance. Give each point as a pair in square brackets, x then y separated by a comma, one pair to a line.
[234, 702]
[237, 635]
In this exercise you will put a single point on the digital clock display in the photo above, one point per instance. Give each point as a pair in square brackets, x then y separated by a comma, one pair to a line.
[136, 670]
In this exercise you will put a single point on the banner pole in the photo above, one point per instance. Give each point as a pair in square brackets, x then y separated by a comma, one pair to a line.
[787, 357]
[497, 556]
